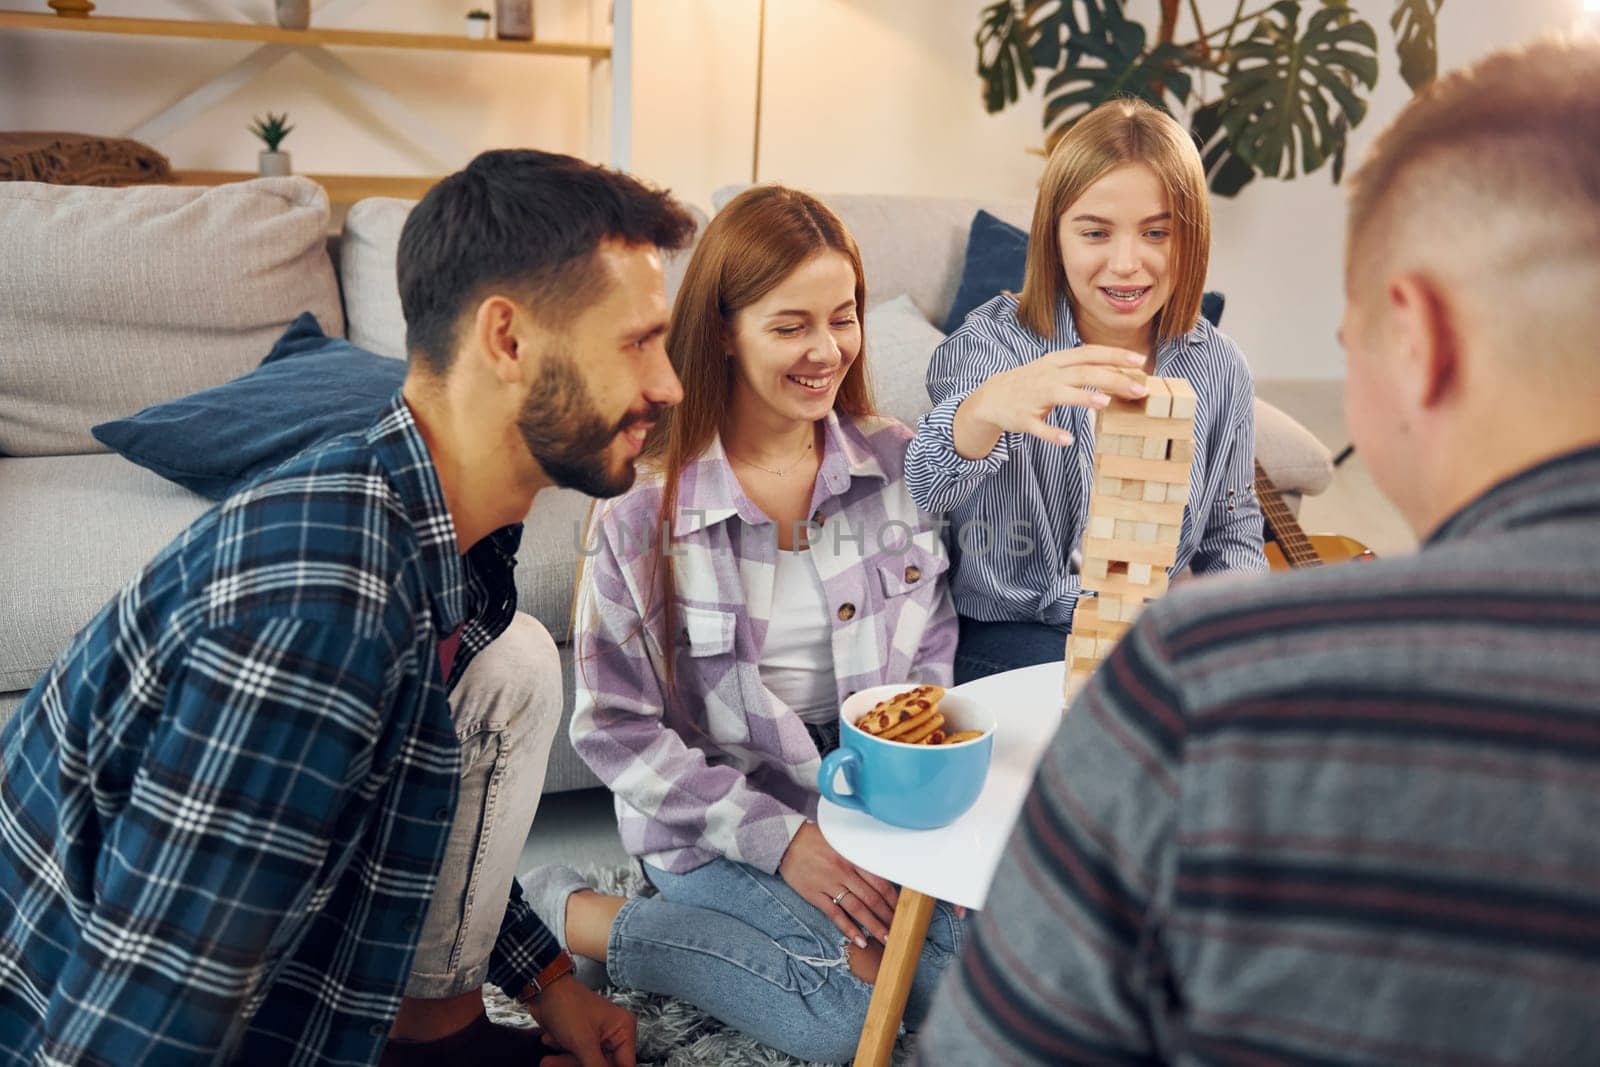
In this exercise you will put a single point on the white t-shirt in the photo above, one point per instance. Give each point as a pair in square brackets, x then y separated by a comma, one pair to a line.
[797, 660]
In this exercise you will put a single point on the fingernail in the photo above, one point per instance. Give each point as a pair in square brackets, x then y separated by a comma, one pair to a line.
[1139, 390]
[861, 942]
[1136, 359]
[1100, 400]
[1065, 439]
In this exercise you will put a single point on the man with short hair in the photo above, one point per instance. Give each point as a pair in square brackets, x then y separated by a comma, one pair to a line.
[267, 806]
[1353, 815]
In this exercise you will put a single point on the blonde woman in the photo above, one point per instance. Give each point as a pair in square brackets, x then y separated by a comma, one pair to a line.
[1116, 265]
[796, 570]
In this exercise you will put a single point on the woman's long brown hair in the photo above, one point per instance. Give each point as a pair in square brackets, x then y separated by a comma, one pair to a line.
[761, 237]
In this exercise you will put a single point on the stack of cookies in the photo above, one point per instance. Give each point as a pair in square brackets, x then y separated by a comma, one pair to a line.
[912, 718]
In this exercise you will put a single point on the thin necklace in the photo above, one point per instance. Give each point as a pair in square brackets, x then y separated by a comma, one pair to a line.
[769, 470]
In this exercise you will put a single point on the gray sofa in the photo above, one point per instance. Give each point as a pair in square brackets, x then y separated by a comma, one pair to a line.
[117, 299]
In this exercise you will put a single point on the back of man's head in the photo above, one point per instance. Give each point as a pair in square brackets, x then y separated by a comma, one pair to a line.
[523, 224]
[1489, 184]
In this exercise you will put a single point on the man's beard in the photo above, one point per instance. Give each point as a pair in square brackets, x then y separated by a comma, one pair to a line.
[568, 437]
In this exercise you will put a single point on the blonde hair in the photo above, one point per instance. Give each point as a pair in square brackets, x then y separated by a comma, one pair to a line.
[1116, 133]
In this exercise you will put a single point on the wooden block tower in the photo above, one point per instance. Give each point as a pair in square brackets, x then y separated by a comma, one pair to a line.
[1142, 454]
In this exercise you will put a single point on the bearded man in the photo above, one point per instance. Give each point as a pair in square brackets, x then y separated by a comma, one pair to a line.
[267, 806]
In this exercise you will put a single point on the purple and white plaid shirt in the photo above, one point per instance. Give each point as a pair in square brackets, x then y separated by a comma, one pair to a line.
[727, 769]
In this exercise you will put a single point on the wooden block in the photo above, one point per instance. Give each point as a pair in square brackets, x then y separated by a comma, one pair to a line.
[1155, 492]
[1131, 420]
[1151, 447]
[1108, 486]
[1122, 530]
[1122, 607]
[1145, 533]
[1132, 488]
[1139, 511]
[1104, 646]
[1139, 573]
[1130, 446]
[1168, 535]
[1144, 470]
[1083, 646]
[1129, 551]
[1184, 400]
[1178, 493]
[1094, 568]
[1120, 585]
[1159, 402]
[1181, 451]
[1102, 525]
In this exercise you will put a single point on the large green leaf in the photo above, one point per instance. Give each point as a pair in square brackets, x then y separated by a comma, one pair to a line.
[1416, 27]
[1015, 38]
[1004, 56]
[1106, 59]
[1285, 88]
[1226, 173]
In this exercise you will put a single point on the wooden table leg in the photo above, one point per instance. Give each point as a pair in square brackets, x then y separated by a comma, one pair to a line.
[906, 934]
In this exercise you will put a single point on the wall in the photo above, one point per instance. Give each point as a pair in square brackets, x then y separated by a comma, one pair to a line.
[860, 96]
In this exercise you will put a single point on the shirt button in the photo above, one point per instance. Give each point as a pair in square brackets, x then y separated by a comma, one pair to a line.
[441, 814]
[411, 923]
[378, 1030]
[817, 519]
[847, 612]
[913, 574]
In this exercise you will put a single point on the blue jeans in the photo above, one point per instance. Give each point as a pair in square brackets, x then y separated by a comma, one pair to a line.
[986, 648]
[744, 947]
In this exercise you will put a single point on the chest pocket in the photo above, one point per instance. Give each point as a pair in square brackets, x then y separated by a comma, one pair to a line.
[707, 636]
[907, 572]
[706, 632]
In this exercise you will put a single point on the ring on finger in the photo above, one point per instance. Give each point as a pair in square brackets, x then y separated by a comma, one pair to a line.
[842, 894]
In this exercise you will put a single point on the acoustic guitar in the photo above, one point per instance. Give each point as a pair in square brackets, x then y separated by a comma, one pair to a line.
[1290, 547]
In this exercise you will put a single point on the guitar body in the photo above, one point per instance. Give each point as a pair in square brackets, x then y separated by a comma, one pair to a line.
[1330, 548]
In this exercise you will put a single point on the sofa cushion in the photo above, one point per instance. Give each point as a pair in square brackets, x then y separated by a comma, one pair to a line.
[77, 529]
[900, 341]
[996, 262]
[367, 250]
[116, 299]
[310, 388]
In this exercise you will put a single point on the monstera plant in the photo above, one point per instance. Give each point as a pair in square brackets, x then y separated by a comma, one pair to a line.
[1273, 91]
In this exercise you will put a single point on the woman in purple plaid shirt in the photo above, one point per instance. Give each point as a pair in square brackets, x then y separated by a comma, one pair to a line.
[772, 564]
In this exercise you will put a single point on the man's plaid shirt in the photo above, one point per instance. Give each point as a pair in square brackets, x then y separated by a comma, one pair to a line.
[223, 809]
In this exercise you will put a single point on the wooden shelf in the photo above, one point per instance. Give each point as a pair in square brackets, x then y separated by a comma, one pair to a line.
[342, 188]
[262, 34]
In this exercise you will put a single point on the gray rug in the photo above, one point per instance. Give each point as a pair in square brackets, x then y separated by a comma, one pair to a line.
[672, 1033]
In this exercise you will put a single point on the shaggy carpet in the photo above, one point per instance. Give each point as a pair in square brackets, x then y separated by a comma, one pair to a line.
[672, 1033]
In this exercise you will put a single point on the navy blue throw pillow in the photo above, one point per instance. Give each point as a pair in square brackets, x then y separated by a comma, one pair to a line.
[997, 257]
[311, 387]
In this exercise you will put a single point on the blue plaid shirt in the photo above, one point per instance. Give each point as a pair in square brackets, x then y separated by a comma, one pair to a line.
[223, 809]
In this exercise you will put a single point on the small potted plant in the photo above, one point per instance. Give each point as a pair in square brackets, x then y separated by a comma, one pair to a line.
[272, 130]
[478, 24]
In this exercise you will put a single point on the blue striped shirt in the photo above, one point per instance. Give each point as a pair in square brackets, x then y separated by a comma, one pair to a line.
[1018, 514]
[223, 809]
[1346, 816]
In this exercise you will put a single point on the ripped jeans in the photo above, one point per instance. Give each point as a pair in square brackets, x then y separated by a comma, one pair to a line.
[741, 945]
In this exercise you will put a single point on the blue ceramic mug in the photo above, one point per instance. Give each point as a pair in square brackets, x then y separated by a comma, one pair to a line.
[918, 787]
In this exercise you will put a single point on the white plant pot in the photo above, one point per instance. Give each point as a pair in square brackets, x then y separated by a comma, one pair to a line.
[274, 164]
[478, 29]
